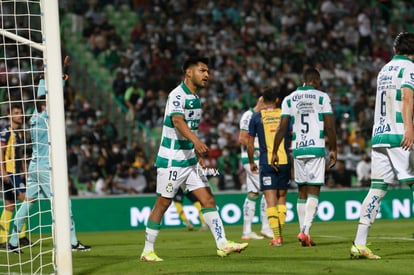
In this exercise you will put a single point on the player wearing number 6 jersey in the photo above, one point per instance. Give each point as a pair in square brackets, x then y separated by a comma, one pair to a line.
[180, 152]
[392, 137]
[310, 112]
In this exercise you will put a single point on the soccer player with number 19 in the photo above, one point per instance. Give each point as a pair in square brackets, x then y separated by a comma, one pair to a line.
[179, 153]
[392, 137]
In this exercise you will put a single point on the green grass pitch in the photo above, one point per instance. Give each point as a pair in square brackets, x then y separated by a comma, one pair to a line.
[194, 252]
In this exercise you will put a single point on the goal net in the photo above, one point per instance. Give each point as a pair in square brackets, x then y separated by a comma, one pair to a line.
[30, 51]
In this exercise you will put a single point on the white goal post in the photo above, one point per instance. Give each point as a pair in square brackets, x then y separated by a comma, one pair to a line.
[50, 47]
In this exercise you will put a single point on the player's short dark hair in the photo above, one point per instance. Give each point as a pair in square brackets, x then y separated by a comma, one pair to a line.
[271, 93]
[311, 74]
[193, 61]
[404, 43]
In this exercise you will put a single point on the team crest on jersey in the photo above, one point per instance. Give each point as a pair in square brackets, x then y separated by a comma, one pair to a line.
[169, 188]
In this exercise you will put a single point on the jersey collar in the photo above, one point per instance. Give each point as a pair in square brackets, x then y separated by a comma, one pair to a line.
[401, 57]
[304, 88]
[185, 88]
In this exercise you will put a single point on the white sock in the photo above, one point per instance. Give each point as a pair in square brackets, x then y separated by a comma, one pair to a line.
[150, 237]
[263, 215]
[310, 211]
[362, 234]
[249, 208]
[214, 222]
[369, 210]
[300, 208]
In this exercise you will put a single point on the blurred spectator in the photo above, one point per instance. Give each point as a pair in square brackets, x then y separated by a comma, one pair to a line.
[119, 185]
[339, 177]
[87, 114]
[363, 171]
[250, 44]
[119, 87]
[356, 138]
[73, 191]
[86, 164]
[344, 110]
[149, 111]
[133, 97]
[228, 179]
[97, 41]
[106, 129]
[353, 157]
[136, 180]
[365, 32]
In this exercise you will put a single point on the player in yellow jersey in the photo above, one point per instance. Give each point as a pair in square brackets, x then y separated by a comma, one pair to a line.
[12, 173]
[274, 185]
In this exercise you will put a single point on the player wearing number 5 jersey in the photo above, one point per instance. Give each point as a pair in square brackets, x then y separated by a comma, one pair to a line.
[392, 137]
[180, 152]
[310, 112]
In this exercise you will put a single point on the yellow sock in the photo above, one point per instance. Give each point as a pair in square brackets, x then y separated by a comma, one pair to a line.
[197, 204]
[180, 211]
[5, 220]
[23, 232]
[273, 218]
[281, 208]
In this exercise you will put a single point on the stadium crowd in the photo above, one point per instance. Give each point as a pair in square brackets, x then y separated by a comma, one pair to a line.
[252, 44]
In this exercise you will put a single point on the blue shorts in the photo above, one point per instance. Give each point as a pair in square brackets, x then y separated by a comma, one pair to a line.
[14, 187]
[272, 180]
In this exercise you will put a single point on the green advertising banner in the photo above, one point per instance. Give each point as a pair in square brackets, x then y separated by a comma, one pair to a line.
[131, 212]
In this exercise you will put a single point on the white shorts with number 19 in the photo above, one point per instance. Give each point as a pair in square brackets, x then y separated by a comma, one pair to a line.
[170, 179]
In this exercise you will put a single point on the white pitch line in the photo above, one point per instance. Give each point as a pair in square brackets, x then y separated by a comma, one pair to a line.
[383, 238]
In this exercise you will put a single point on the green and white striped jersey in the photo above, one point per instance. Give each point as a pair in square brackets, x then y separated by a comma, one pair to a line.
[175, 150]
[306, 108]
[388, 129]
[244, 126]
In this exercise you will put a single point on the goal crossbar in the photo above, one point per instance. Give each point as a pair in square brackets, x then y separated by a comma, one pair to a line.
[22, 40]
